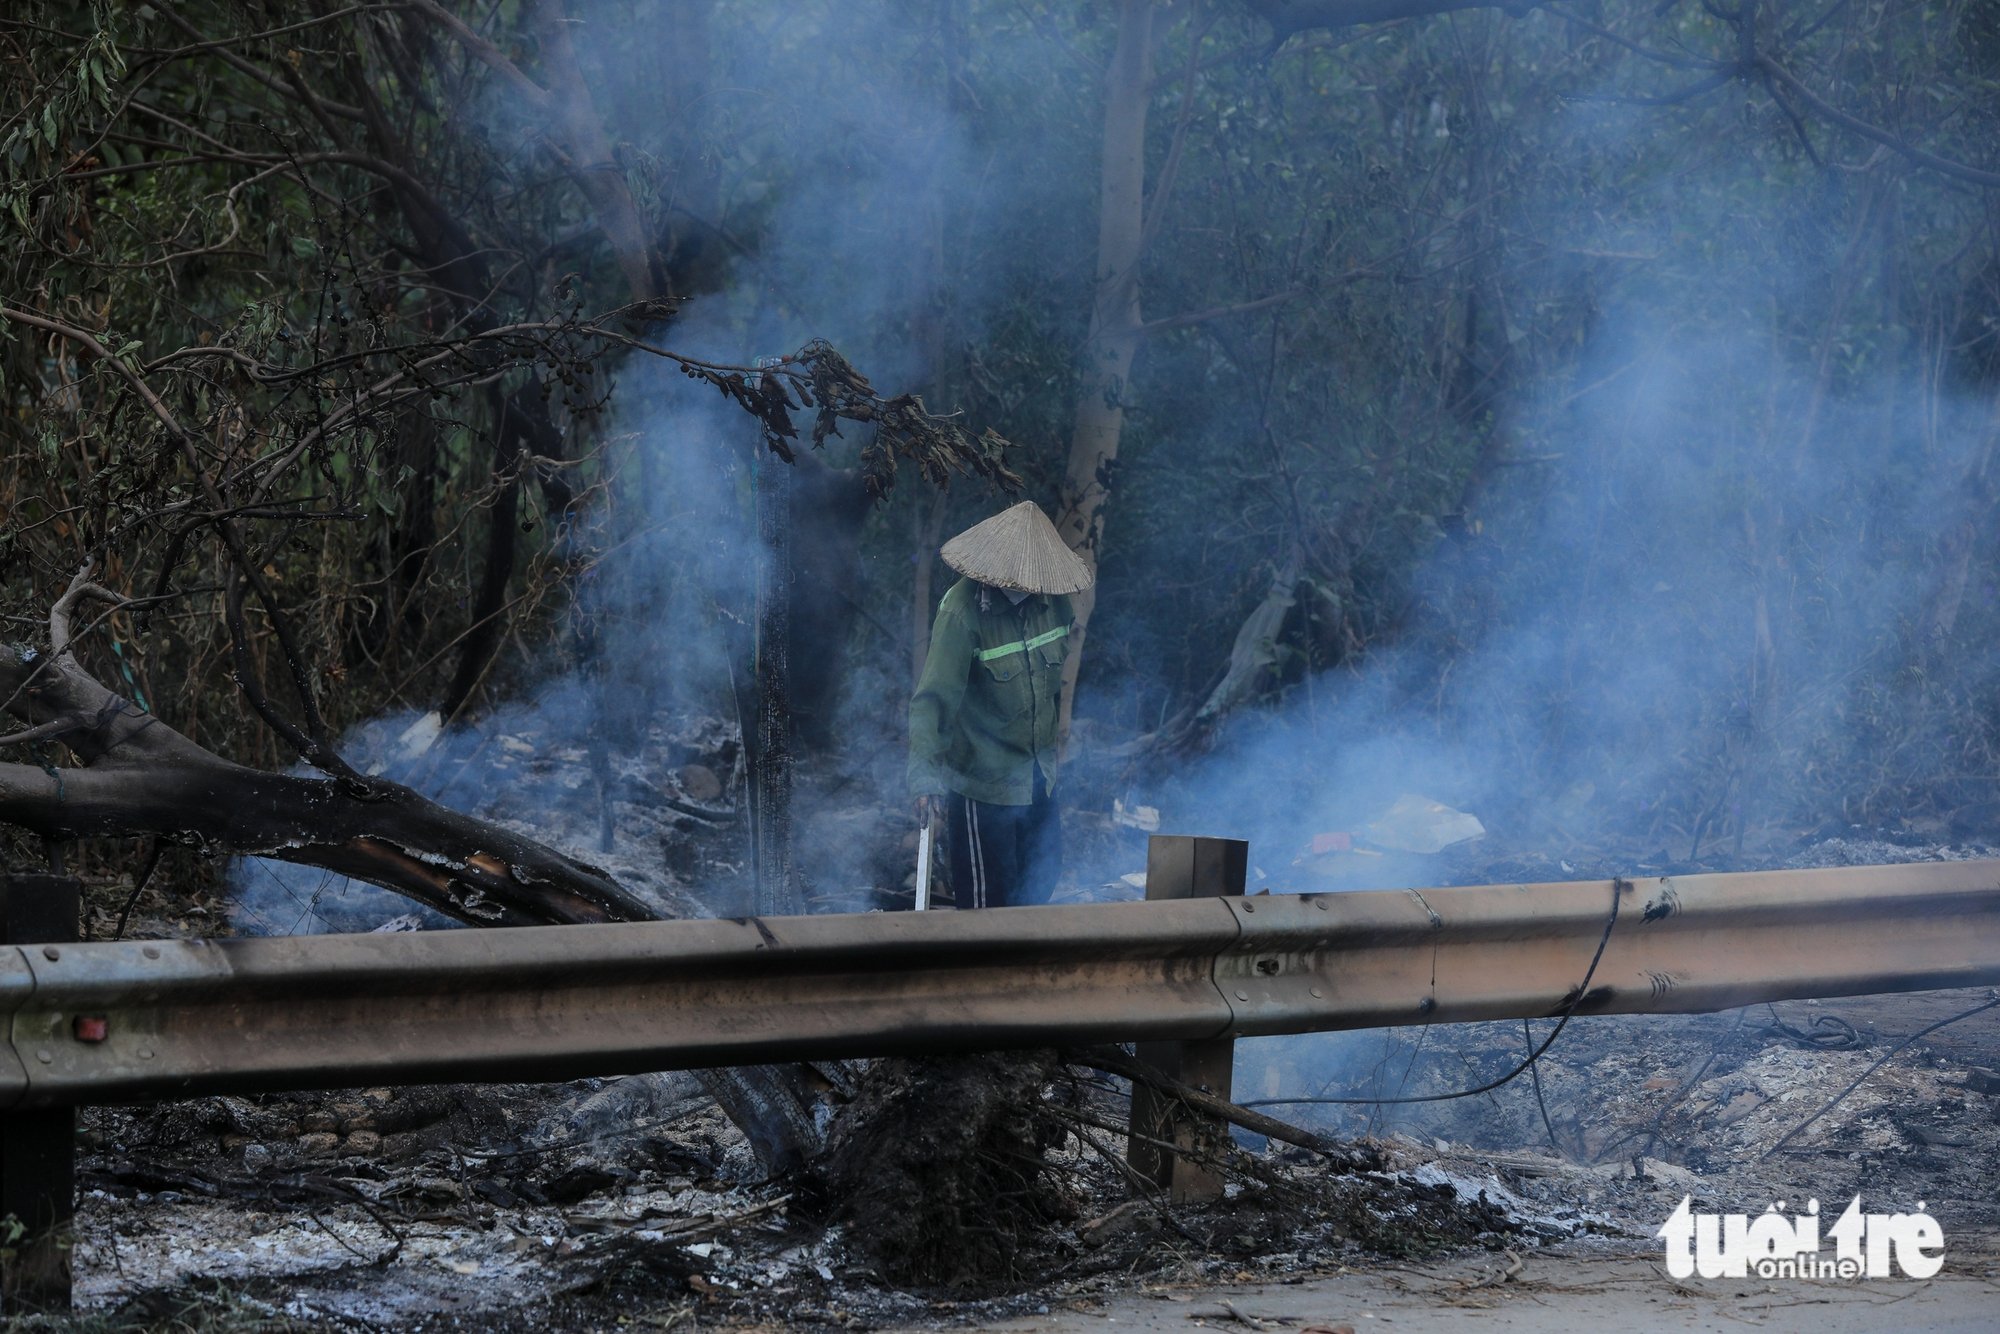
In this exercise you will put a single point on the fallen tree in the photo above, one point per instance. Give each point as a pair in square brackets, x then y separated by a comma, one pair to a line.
[283, 386]
[138, 775]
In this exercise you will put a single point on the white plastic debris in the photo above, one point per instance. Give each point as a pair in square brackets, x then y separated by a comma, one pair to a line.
[1144, 818]
[418, 736]
[1418, 824]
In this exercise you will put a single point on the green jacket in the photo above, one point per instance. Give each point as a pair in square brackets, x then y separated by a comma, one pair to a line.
[984, 715]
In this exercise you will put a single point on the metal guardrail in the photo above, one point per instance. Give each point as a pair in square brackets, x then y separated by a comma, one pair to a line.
[108, 1022]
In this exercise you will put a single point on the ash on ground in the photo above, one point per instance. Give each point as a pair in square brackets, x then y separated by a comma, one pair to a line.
[533, 1207]
[539, 1207]
[571, 1206]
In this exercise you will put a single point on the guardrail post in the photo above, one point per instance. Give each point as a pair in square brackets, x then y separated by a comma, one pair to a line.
[1179, 867]
[37, 1149]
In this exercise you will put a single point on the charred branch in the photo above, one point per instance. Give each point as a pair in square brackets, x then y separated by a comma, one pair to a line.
[1288, 18]
[140, 776]
[1348, 1157]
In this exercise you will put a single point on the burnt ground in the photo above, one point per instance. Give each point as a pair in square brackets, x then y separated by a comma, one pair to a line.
[618, 1203]
[607, 1203]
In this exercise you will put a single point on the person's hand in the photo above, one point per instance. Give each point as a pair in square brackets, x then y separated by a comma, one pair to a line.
[929, 808]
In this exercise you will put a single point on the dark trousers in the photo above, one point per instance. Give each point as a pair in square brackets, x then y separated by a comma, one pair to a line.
[1004, 856]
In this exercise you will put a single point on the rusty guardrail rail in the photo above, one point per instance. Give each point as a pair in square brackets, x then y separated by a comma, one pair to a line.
[107, 1022]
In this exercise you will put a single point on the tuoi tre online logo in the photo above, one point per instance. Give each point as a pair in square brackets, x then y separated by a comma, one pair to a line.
[1774, 1245]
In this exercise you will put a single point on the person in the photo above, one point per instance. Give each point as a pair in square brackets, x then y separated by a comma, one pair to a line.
[983, 720]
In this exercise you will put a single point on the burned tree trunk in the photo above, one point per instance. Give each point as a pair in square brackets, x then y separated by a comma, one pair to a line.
[771, 756]
[1113, 341]
[140, 776]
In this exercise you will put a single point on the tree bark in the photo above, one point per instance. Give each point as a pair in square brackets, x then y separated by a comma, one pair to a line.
[1114, 334]
[496, 570]
[1288, 17]
[1123, 227]
[936, 322]
[140, 776]
[777, 889]
[593, 161]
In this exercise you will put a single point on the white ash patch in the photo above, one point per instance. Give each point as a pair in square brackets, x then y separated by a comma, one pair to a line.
[1878, 852]
[1530, 1217]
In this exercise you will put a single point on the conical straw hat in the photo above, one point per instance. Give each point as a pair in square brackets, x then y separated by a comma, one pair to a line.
[1018, 549]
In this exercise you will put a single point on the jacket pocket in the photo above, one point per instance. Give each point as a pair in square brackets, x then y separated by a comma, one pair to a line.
[1008, 683]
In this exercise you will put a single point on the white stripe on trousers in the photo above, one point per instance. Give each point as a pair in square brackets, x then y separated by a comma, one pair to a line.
[976, 846]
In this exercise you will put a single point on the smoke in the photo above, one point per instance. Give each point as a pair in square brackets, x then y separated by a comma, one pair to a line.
[1705, 565]
[1636, 635]
[1720, 592]
[1713, 592]
[810, 159]
[1699, 589]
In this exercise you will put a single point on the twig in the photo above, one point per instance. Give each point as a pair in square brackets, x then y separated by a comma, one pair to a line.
[395, 1245]
[1148, 1191]
[80, 587]
[1117, 1063]
[1838, 1098]
[1511, 1272]
[144, 879]
[1779, 75]
[1195, 317]
[57, 727]
[1535, 1074]
[1651, 1130]
[573, 1142]
[311, 742]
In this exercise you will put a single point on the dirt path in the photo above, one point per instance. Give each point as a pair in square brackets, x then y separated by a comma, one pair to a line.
[1552, 1294]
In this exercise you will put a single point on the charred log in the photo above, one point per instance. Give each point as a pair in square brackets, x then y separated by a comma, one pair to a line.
[140, 776]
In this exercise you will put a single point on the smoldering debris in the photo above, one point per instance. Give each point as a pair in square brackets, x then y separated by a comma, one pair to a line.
[668, 791]
[938, 1165]
[537, 1207]
[999, 1189]
[549, 1206]
[1642, 1113]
